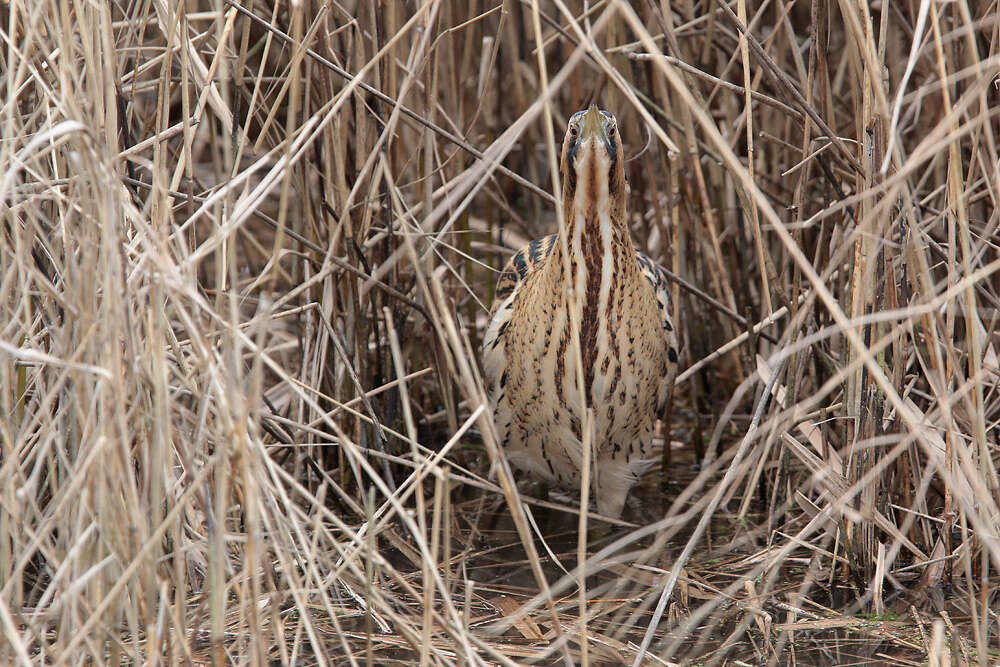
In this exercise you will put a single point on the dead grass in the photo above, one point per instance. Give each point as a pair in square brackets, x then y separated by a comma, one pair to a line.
[247, 250]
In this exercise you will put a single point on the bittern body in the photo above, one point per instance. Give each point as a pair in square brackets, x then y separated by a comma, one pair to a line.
[627, 348]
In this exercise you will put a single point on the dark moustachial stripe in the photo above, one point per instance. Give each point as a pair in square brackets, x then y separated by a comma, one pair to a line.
[571, 150]
[574, 145]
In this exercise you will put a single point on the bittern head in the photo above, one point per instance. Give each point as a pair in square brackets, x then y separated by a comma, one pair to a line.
[592, 168]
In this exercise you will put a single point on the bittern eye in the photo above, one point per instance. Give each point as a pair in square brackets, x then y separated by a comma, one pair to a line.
[573, 131]
[611, 131]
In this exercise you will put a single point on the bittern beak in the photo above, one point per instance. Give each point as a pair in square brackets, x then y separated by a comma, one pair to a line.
[593, 126]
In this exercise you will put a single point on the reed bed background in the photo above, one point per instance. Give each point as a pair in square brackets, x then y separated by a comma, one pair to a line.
[246, 258]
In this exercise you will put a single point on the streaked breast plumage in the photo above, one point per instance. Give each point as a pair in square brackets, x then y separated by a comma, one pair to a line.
[619, 301]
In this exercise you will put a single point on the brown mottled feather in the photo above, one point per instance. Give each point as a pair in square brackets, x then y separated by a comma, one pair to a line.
[520, 266]
[532, 256]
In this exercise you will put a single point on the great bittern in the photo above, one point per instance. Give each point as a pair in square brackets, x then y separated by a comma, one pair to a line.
[626, 336]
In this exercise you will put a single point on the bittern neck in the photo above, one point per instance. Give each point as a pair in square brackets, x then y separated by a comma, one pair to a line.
[594, 210]
[601, 257]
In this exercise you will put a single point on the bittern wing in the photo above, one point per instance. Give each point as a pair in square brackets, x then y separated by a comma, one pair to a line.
[658, 279]
[525, 261]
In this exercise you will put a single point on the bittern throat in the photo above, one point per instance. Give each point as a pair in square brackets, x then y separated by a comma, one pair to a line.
[627, 345]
